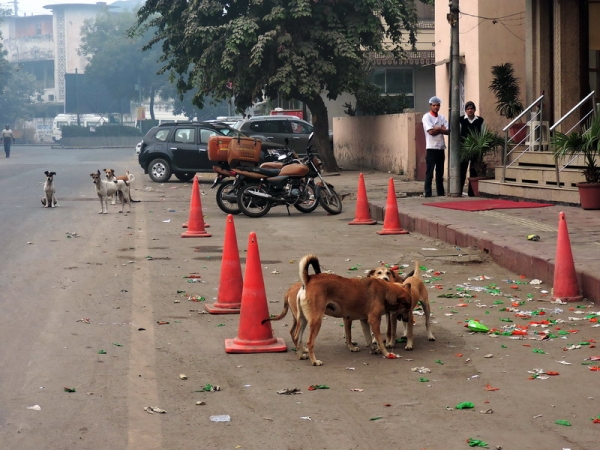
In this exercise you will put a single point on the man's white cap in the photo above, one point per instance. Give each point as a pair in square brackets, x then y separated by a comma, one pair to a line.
[435, 99]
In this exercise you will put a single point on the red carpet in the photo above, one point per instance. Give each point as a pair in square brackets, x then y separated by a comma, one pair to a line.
[483, 205]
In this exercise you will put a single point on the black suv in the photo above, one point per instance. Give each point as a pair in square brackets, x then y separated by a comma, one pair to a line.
[181, 148]
[277, 129]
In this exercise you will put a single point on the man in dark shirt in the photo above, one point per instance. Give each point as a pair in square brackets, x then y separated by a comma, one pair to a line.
[469, 122]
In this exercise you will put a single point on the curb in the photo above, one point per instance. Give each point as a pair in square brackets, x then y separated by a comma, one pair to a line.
[508, 252]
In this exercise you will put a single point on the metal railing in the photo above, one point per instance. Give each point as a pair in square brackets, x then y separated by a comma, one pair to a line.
[578, 124]
[510, 142]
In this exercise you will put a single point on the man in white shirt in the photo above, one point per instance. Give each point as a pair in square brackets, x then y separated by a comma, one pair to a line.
[435, 126]
[7, 139]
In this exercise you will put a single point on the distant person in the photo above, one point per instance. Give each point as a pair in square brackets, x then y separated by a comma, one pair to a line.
[7, 138]
[468, 123]
[435, 126]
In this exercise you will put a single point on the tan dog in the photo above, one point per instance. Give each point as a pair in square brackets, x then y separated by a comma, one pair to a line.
[128, 177]
[364, 299]
[419, 294]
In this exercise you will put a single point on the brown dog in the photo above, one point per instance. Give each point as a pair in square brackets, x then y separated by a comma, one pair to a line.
[419, 294]
[128, 177]
[290, 303]
[364, 299]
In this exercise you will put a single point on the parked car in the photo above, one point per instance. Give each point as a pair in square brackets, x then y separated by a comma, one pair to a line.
[138, 148]
[277, 129]
[181, 149]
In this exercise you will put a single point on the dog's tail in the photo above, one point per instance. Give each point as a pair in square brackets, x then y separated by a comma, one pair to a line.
[417, 271]
[291, 292]
[305, 263]
[130, 176]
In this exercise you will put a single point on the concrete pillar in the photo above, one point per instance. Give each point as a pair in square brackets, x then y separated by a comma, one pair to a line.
[567, 52]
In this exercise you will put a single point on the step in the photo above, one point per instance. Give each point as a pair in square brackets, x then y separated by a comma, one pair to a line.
[531, 158]
[495, 188]
[543, 176]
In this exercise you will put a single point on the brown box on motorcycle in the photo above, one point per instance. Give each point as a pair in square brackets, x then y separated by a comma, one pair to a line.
[218, 148]
[243, 150]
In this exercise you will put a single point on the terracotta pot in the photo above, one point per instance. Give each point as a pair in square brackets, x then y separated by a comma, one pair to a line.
[518, 132]
[474, 182]
[589, 195]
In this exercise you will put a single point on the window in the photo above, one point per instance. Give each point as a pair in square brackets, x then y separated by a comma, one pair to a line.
[205, 134]
[395, 81]
[38, 29]
[161, 135]
[269, 126]
[300, 128]
[185, 135]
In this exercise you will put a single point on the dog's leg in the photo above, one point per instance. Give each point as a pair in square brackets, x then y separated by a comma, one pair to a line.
[369, 336]
[44, 202]
[101, 204]
[427, 311]
[301, 351]
[348, 335]
[374, 321]
[315, 327]
[409, 331]
[392, 321]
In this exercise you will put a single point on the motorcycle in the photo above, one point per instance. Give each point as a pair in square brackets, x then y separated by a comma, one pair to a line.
[227, 192]
[298, 183]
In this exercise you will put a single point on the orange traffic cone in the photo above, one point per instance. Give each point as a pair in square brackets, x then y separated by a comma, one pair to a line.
[195, 220]
[185, 225]
[229, 297]
[391, 221]
[362, 216]
[565, 278]
[253, 336]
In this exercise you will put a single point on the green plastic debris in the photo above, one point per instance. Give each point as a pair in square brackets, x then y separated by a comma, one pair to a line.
[465, 405]
[118, 344]
[440, 362]
[565, 423]
[376, 418]
[102, 352]
[474, 325]
[539, 350]
[424, 380]
[505, 319]
[476, 443]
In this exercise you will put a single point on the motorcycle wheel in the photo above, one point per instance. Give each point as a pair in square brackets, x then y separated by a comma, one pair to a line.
[332, 203]
[250, 205]
[227, 198]
[309, 201]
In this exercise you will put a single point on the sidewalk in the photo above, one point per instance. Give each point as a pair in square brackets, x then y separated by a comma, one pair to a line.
[501, 233]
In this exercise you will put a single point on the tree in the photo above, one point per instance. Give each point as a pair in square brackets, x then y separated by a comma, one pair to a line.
[261, 48]
[18, 96]
[116, 60]
[371, 102]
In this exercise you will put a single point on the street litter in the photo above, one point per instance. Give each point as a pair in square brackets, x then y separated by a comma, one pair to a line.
[201, 402]
[35, 407]
[154, 409]
[421, 369]
[314, 387]
[357, 390]
[167, 221]
[183, 376]
[306, 417]
[68, 389]
[465, 405]
[209, 388]
[102, 352]
[72, 235]
[565, 423]
[476, 443]
[290, 391]
[84, 321]
[487, 411]
[220, 418]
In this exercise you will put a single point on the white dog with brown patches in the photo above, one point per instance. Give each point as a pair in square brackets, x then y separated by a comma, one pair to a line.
[105, 189]
[110, 176]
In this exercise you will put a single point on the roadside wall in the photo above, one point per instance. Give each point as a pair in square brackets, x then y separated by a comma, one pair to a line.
[103, 141]
[391, 143]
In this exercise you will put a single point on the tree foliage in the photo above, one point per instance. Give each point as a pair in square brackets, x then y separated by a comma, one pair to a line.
[116, 60]
[18, 96]
[371, 102]
[263, 48]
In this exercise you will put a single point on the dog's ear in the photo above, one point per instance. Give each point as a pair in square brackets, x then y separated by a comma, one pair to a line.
[370, 273]
[52, 174]
[98, 171]
[46, 172]
[407, 286]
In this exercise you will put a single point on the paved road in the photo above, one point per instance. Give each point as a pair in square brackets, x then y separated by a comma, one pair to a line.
[126, 273]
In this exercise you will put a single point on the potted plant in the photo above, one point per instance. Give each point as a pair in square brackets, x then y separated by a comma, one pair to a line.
[506, 89]
[474, 148]
[586, 144]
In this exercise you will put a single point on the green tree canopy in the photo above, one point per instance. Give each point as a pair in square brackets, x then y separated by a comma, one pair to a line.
[261, 48]
[116, 60]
